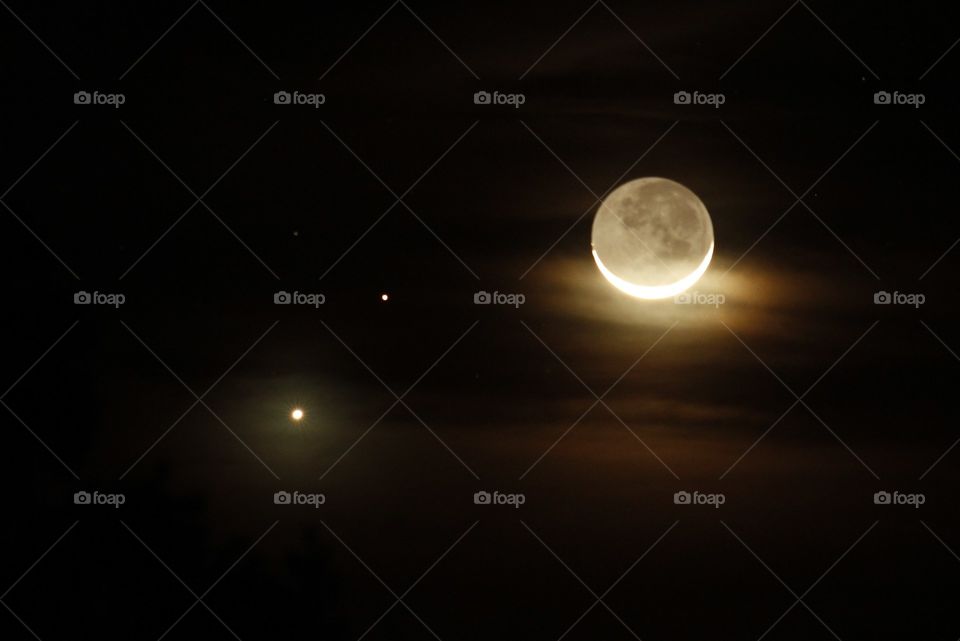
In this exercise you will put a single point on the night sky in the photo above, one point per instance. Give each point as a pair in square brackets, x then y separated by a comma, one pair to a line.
[793, 399]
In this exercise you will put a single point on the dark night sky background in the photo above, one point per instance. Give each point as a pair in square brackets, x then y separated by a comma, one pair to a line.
[499, 199]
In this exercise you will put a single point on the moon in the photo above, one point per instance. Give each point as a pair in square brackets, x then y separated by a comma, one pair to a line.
[652, 238]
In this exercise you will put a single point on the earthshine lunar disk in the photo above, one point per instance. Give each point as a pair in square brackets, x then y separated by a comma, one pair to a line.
[652, 238]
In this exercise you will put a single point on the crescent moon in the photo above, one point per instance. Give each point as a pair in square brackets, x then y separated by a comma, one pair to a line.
[652, 238]
[654, 291]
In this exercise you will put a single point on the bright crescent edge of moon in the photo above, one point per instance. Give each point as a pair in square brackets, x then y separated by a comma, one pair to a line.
[654, 291]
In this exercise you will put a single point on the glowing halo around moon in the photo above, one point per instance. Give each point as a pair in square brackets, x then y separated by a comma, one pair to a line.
[652, 238]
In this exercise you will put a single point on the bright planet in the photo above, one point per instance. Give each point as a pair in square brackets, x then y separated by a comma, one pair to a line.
[652, 238]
